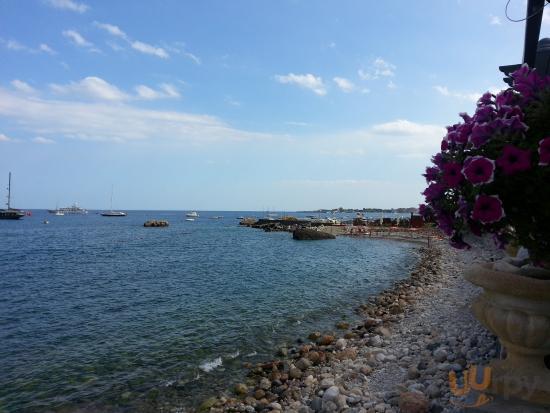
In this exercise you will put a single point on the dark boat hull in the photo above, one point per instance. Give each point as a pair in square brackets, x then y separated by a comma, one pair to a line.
[11, 215]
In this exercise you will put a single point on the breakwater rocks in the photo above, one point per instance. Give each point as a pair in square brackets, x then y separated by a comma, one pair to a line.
[310, 234]
[397, 359]
[155, 223]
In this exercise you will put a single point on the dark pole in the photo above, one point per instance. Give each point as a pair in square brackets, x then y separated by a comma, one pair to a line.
[535, 9]
[9, 190]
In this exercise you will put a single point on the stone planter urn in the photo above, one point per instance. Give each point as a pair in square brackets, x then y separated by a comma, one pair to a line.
[516, 308]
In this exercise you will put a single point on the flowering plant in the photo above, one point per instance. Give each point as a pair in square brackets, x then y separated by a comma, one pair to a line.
[493, 172]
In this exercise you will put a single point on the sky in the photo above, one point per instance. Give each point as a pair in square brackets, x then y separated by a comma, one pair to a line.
[241, 104]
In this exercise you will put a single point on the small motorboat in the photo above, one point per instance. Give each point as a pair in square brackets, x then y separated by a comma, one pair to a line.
[192, 214]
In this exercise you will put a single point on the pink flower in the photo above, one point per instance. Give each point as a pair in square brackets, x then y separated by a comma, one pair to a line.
[433, 191]
[479, 170]
[481, 133]
[452, 175]
[487, 209]
[431, 173]
[544, 152]
[514, 160]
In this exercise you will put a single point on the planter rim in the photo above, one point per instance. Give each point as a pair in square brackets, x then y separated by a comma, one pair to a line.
[503, 282]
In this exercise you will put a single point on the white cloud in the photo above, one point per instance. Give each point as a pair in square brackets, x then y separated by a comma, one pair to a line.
[147, 93]
[4, 138]
[230, 101]
[166, 90]
[115, 46]
[68, 5]
[47, 49]
[170, 90]
[391, 85]
[400, 138]
[194, 58]
[179, 48]
[92, 87]
[43, 141]
[150, 49]
[494, 20]
[15, 45]
[22, 86]
[294, 123]
[365, 75]
[344, 84]
[383, 68]
[470, 96]
[115, 121]
[378, 68]
[143, 47]
[307, 81]
[406, 127]
[77, 38]
[111, 29]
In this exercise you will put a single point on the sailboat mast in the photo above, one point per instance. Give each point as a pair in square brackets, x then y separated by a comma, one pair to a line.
[112, 189]
[9, 189]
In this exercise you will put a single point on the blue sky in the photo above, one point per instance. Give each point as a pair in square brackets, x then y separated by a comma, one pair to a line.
[280, 105]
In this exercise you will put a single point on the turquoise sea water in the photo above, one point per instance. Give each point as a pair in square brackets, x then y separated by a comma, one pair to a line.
[102, 314]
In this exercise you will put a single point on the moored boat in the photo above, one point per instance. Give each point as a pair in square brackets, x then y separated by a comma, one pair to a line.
[10, 213]
[112, 213]
[74, 209]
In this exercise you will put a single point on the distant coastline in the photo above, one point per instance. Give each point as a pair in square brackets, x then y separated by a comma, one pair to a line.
[368, 210]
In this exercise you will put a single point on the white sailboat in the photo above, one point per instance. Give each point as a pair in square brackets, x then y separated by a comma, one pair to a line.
[112, 213]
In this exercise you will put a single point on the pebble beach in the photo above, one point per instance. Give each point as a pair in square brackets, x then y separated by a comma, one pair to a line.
[397, 359]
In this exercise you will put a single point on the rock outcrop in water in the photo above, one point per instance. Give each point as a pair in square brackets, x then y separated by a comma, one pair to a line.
[155, 223]
[310, 234]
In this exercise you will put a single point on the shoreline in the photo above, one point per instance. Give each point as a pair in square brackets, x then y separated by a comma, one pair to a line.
[370, 367]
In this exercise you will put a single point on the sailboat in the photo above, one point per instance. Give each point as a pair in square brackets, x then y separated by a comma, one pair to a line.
[10, 213]
[112, 213]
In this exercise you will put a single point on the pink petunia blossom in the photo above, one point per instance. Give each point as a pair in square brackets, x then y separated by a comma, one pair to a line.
[452, 175]
[514, 160]
[487, 209]
[479, 170]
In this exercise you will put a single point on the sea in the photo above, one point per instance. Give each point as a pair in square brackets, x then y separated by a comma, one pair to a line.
[100, 314]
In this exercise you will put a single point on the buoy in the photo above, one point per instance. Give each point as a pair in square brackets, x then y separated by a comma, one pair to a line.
[46, 221]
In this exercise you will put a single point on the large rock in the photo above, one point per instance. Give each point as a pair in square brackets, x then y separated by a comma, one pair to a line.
[240, 389]
[155, 223]
[310, 234]
[331, 393]
[413, 402]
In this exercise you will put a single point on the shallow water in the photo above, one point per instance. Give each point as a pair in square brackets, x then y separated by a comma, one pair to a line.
[102, 313]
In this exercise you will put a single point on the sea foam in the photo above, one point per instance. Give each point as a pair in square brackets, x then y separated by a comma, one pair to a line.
[210, 365]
